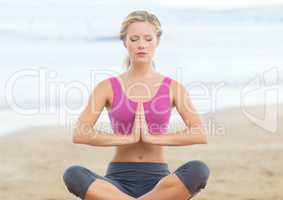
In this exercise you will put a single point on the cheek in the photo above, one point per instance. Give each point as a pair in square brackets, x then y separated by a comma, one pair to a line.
[152, 47]
[131, 47]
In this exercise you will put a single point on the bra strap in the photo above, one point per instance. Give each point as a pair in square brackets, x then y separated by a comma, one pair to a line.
[165, 85]
[117, 90]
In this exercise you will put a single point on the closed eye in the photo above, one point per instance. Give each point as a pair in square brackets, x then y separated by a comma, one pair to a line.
[133, 40]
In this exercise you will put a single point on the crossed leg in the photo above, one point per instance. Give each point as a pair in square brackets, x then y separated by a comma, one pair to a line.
[88, 185]
[192, 175]
[183, 184]
[103, 190]
[168, 188]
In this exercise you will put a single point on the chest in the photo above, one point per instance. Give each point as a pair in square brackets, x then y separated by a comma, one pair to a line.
[149, 93]
[156, 100]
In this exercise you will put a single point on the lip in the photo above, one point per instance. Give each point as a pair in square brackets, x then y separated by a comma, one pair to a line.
[141, 54]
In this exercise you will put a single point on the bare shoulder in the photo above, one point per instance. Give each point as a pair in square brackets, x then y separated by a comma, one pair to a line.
[103, 85]
[177, 89]
[175, 83]
[176, 86]
[104, 89]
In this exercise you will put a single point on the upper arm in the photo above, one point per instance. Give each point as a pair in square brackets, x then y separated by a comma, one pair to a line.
[182, 101]
[97, 100]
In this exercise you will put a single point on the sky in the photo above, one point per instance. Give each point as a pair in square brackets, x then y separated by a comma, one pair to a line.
[218, 3]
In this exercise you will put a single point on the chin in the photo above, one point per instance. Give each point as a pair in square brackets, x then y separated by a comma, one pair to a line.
[141, 61]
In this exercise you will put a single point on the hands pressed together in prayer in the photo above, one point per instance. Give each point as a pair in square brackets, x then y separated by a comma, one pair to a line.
[140, 129]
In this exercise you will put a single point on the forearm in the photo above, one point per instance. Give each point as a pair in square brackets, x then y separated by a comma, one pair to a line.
[184, 137]
[96, 137]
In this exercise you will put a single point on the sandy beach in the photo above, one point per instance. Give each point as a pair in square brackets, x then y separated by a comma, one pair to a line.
[245, 161]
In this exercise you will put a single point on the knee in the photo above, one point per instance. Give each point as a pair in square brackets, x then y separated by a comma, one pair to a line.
[71, 174]
[194, 175]
[201, 170]
[72, 179]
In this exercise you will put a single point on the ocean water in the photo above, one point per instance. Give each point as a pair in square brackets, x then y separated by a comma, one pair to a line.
[53, 54]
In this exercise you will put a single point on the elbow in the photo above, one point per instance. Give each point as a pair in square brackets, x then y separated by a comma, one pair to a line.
[204, 139]
[76, 138]
[80, 134]
[204, 136]
[201, 136]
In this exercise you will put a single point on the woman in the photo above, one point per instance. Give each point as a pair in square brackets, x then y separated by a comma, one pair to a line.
[139, 121]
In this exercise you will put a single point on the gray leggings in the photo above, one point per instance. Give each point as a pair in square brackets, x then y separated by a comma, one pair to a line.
[136, 178]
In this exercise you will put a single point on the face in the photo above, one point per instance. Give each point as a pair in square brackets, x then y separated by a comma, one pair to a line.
[141, 41]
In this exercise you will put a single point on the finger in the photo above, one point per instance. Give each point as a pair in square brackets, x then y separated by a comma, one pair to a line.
[142, 109]
[138, 114]
[138, 109]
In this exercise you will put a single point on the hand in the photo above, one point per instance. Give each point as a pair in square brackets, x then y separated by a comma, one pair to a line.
[136, 131]
[145, 135]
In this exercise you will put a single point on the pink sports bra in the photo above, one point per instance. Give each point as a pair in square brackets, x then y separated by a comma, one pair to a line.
[157, 110]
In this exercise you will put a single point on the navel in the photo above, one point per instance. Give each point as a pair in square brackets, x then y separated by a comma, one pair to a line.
[140, 157]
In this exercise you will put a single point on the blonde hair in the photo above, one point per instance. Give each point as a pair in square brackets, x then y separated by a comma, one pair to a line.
[139, 16]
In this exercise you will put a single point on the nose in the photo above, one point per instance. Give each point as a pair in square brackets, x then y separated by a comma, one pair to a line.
[141, 44]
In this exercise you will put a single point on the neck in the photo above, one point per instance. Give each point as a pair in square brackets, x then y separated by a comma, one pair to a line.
[141, 70]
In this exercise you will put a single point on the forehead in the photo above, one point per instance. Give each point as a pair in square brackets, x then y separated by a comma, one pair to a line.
[141, 28]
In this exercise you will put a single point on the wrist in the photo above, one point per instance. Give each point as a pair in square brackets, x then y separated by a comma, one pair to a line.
[134, 137]
[129, 139]
[147, 137]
